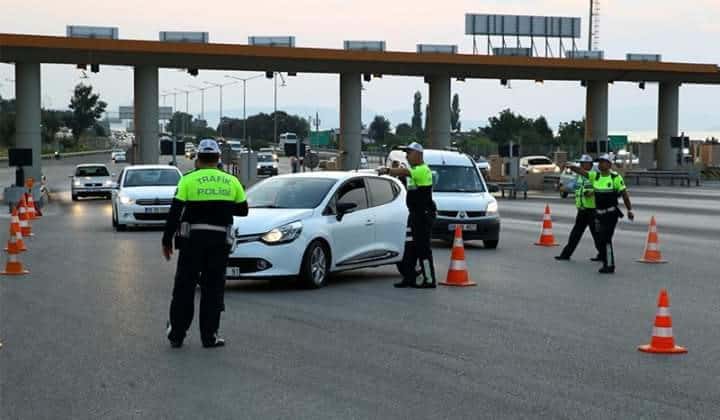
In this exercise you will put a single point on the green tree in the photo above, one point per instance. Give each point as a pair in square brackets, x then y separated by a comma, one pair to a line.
[455, 113]
[506, 126]
[86, 108]
[571, 136]
[427, 123]
[7, 122]
[180, 123]
[543, 130]
[404, 130]
[379, 128]
[417, 118]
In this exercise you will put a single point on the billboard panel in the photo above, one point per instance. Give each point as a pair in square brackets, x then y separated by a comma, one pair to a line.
[175, 36]
[516, 25]
[364, 45]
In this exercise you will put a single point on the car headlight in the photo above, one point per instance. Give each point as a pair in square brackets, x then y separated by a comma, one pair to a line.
[557, 169]
[125, 200]
[283, 234]
[492, 208]
[275, 165]
[259, 166]
[77, 184]
[108, 183]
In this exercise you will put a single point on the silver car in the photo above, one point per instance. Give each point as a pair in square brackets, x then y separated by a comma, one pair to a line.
[91, 180]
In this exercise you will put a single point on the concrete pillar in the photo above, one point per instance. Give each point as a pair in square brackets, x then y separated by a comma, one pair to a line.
[350, 120]
[146, 115]
[439, 119]
[596, 111]
[668, 121]
[28, 117]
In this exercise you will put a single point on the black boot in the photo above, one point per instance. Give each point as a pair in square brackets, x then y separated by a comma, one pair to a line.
[215, 341]
[562, 258]
[174, 341]
[403, 284]
[607, 270]
[596, 258]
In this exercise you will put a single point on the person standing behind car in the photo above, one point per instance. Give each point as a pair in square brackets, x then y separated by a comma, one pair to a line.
[422, 213]
[203, 208]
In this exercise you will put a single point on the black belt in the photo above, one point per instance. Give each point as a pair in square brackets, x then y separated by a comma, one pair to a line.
[601, 212]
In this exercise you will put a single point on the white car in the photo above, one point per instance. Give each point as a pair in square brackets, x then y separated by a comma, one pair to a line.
[309, 225]
[91, 180]
[538, 165]
[118, 156]
[461, 195]
[143, 195]
[266, 164]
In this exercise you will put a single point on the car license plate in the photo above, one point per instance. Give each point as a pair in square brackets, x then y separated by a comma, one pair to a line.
[464, 227]
[232, 272]
[155, 210]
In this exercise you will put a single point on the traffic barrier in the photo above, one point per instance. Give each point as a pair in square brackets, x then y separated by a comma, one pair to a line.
[25, 227]
[457, 271]
[652, 253]
[15, 242]
[662, 340]
[546, 236]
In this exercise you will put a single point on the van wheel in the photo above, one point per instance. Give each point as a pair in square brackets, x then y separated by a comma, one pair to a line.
[74, 197]
[491, 244]
[564, 194]
[316, 266]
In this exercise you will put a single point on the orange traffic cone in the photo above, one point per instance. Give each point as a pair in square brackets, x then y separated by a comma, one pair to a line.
[662, 340]
[31, 207]
[15, 242]
[457, 272]
[546, 236]
[25, 227]
[13, 267]
[652, 249]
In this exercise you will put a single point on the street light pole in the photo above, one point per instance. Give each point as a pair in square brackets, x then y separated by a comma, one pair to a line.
[244, 82]
[220, 86]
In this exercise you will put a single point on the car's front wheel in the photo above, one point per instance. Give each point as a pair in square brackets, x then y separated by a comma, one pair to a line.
[564, 194]
[315, 267]
[491, 244]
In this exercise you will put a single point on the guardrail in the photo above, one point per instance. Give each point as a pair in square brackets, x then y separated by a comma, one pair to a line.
[71, 154]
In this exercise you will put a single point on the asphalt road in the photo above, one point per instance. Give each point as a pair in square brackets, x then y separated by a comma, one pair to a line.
[83, 335]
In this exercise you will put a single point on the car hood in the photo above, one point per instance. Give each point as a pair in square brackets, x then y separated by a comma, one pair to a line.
[149, 192]
[264, 220]
[462, 201]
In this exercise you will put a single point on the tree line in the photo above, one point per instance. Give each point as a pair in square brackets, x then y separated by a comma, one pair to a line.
[82, 118]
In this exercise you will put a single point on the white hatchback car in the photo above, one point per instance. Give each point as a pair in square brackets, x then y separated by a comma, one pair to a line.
[143, 195]
[309, 225]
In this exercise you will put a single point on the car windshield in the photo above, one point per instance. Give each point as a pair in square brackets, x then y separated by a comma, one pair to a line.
[289, 193]
[456, 179]
[539, 161]
[236, 147]
[92, 171]
[265, 158]
[151, 178]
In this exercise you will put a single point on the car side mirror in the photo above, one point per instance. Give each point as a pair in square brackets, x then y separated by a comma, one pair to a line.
[493, 188]
[343, 209]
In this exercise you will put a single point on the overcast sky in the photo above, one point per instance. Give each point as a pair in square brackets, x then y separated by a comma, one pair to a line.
[680, 31]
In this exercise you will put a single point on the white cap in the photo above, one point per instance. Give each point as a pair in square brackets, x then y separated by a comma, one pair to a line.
[605, 157]
[415, 146]
[586, 159]
[208, 146]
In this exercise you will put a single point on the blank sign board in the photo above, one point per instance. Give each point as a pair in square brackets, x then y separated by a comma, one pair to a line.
[514, 25]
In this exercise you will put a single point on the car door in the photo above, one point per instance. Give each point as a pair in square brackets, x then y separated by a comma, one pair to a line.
[353, 236]
[390, 215]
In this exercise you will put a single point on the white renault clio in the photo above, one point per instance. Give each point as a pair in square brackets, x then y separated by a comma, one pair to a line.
[309, 225]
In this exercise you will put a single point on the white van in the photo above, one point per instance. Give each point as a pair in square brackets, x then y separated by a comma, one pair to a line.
[461, 195]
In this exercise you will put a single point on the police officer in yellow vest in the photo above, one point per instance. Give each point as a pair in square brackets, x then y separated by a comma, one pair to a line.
[417, 267]
[585, 218]
[608, 185]
[201, 219]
